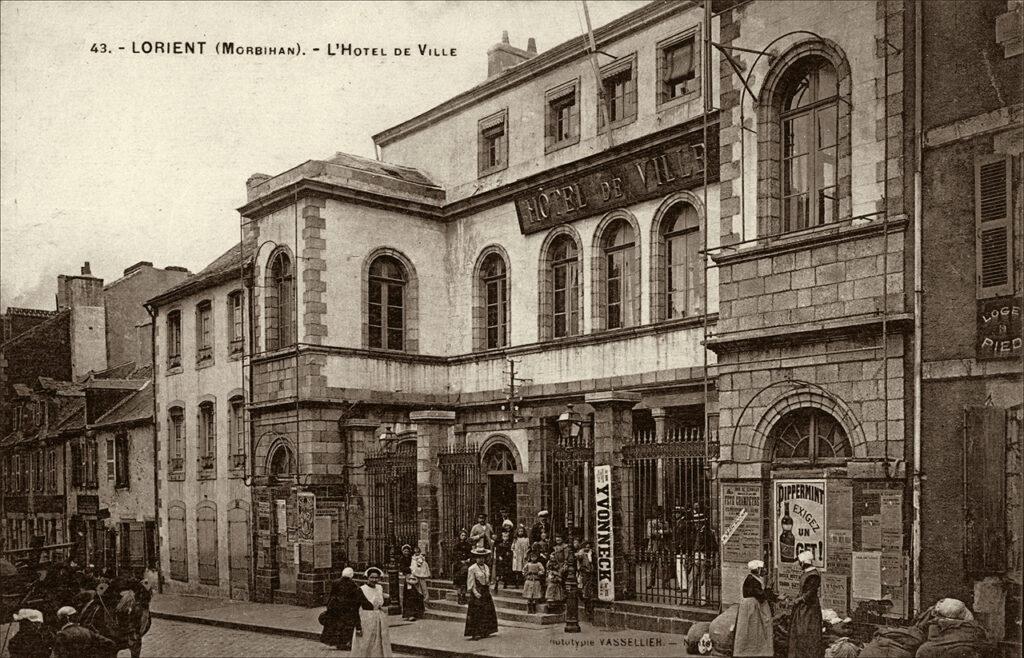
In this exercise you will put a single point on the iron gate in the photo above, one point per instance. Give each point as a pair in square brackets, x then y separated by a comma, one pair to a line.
[675, 549]
[571, 494]
[391, 488]
[462, 498]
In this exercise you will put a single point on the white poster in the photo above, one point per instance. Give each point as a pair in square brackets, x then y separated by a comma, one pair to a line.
[605, 534]
[799, 522]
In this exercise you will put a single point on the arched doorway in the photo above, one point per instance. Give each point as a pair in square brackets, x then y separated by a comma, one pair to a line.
[500, 466]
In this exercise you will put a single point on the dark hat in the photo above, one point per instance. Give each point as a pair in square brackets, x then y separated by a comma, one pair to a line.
[480, 552]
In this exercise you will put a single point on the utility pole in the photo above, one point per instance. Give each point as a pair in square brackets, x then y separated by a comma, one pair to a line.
[512, 396]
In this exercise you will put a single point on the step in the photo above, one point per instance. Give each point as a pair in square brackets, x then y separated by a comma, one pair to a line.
[506, 614]
[502, 599]
[460, 618]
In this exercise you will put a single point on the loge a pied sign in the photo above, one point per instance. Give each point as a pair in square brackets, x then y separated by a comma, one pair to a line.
[605, 552]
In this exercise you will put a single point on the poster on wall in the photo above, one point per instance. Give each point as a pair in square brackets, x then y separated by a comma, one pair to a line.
[800, 523]
[604, 535]
[306, 503]
[741, 520]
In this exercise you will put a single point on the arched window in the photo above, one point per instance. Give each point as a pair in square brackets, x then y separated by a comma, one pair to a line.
[494, 286]
[280, 296]
[565, 287]
[810, 129]
[386, 319]
[682, 273]
[499, 458]
[282, 463]
[619, 251]
[809, 435]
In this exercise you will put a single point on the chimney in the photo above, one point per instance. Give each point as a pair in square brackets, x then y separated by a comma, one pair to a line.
[83, 296]
[503, 56]
[136, 267]
[254, 181]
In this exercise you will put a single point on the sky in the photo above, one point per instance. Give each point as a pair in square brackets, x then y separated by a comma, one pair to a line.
[118, 157]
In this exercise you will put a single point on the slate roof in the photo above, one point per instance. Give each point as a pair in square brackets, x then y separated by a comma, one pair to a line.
[224, 267]
[137, 407]
[408, 174]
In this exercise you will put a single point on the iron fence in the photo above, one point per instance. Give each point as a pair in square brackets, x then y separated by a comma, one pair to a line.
[675, 549]
[462, 498]
[391, 488]
[571, 495]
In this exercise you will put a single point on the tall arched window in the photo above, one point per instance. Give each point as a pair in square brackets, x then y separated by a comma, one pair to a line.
[683, 274]
[809, 435]
[386, 311]
[618, 245]
[565, 287]
[810, 130]
[280, 296]
[494, 284]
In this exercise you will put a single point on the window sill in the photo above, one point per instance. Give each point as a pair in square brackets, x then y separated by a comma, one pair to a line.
[174, 370]
[615, 125]
[235, 350]
[176, 476]
[834, 232]
[207, 475]
[679, 100]
[204, 363]
[483, 173]
[551, 147]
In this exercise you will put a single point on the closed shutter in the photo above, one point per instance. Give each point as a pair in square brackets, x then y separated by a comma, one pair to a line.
[993, 229]
[137, 546]
[177, 542]
[984, 490]
[238, 549]
[206, 537]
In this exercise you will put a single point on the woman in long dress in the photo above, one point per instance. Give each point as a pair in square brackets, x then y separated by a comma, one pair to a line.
[375, 642]
[805, 623]
[481, 618]
[754, 618]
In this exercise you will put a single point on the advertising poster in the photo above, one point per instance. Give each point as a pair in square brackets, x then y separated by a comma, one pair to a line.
[306, 503]
[741, 518]
[605, 533]
[799, 522]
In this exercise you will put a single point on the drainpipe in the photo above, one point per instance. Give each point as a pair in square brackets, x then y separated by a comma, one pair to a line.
[916, 531]
[156, 461]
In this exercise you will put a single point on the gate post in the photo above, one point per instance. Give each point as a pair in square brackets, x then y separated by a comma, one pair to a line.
[358, 437]
[613, 429]
[431, 437]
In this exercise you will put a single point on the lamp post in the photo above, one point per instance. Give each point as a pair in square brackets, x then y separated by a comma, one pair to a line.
[387, 440]
[570, 424]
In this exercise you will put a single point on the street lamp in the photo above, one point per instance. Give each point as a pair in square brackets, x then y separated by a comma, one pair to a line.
[388, 440]
[570, 424]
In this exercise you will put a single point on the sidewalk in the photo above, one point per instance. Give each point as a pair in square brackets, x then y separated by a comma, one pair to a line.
[423, 637]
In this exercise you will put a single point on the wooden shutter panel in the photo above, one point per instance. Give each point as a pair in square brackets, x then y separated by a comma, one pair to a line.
[993, 229]
[984, 490]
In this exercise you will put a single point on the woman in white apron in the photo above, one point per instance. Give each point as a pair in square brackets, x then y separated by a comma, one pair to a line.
[754, 633]
[375, 641]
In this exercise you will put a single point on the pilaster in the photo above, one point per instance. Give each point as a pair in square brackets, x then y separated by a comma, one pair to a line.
[431, 436]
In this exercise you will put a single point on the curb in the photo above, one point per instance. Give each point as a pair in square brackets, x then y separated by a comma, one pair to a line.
[305, 635]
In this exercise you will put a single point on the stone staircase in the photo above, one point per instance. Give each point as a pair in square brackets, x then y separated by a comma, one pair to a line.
[509, 604]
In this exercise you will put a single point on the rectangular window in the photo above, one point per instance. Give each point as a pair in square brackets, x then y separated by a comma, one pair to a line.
[51, 471]
[993, 227]
[235, 319]
[677, 67]
[93, 462]
[204, 331]
[618, 82]
[174, 339]
[122, 463]
[492, 143]
[207, 435]
[566, 296]
[111, 462]
[562, 116]
[237, 422]
[177, 431]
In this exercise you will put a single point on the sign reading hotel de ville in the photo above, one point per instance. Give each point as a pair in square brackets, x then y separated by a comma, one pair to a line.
[677, 164]
[605, 533]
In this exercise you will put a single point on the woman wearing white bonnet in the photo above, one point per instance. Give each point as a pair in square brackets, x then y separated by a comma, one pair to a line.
[754, 616]
[375, 640]
[805, 626]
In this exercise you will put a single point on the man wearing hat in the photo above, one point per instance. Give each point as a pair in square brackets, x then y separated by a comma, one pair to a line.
[543, 525]
[76, 641]
[805, 623]
[754, 617]
[481, 618]
[342, 614]
[31, 640]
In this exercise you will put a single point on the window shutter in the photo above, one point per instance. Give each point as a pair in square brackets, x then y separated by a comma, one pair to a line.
[630, 99]
[110, 458]
[993, 229]
[984, 490]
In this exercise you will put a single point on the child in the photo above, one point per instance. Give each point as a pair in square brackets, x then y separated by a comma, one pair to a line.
[421, 570]
[555, 593]
[585, 568]
[533, 591]
[520, 547]
[460, 580]
[412, 599]
[542, 548]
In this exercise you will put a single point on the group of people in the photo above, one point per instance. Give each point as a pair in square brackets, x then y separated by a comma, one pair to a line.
[754, 634]
[682, 549]
[355, 617]
[73, 611]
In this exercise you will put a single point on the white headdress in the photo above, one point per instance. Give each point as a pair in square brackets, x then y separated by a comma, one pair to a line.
[755, 564]
[806, 557]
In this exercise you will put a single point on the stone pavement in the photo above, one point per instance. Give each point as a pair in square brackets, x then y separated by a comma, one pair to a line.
[423, 637]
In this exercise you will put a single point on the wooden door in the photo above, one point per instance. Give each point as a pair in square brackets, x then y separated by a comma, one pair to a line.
[177, 541]
[238, 550]
[206, 536]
